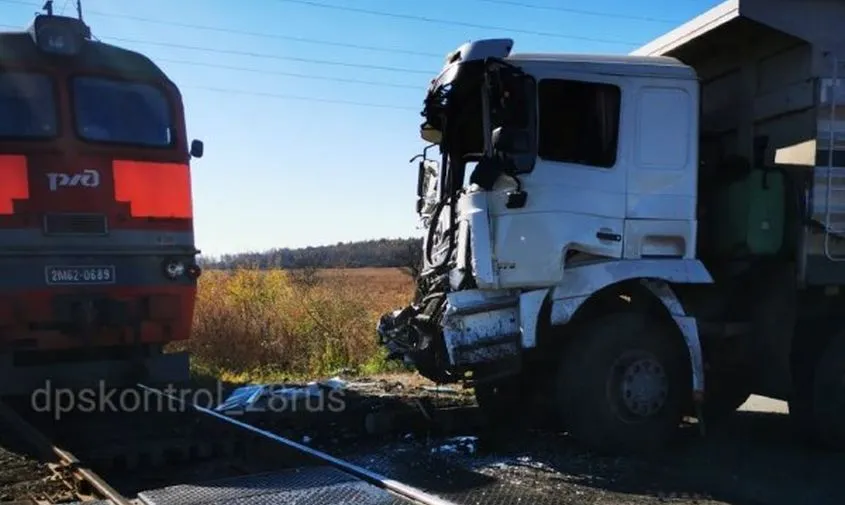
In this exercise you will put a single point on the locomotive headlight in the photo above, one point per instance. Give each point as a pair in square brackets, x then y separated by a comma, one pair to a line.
[53, 39]
[174, 269]
[55, 42]
[59, 34]
[194, 271]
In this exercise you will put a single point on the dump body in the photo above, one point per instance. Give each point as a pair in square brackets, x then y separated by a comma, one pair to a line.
[784, 84]
[95, 205]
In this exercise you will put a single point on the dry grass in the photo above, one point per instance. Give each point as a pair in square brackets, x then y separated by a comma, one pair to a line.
[253, 325]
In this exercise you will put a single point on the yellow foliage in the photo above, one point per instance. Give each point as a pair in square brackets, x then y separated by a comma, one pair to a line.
[252, 320]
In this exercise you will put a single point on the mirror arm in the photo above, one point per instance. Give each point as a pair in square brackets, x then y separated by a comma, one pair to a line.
[420, 179]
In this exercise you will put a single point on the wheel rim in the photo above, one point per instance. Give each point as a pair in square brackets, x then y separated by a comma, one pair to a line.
[638, 387]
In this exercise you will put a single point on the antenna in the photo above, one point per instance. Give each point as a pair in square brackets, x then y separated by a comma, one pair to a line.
[48, 7]
[79, 9]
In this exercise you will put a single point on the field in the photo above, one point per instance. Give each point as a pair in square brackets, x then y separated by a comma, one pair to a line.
[253, 325]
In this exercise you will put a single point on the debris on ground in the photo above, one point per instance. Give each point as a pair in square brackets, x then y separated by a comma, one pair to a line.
[262, 397]
[457, 445]
[441, 389]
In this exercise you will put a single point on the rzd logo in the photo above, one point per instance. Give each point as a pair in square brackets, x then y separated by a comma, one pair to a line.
[88, 179]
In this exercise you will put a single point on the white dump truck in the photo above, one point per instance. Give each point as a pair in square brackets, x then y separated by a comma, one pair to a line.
[639, 238]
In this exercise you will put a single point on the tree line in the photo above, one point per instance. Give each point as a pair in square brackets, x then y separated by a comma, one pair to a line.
[396, 252]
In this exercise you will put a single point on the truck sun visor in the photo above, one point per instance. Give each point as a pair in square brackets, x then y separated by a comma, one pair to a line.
[154, 189]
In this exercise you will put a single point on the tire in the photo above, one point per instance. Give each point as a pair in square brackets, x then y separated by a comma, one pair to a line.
[829, 396]
[806, 362]
[773, 318]
[591, 375]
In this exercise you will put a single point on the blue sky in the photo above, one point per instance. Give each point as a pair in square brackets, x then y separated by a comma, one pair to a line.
[287, 163]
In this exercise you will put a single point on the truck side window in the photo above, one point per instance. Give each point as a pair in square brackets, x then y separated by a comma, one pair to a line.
[579, 122]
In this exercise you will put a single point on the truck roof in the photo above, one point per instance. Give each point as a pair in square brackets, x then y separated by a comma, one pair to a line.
[18, 48]
[655, 66]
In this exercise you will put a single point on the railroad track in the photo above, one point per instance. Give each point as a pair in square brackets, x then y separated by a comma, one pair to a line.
[81, 482]
[118, 457]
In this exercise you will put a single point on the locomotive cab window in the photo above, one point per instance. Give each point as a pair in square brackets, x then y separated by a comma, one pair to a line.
[579, 122]
[27, 106]
[121, 112]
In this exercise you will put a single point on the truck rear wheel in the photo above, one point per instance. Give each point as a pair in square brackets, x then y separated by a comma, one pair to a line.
[623, 383]
[816, 405]
[829, 396]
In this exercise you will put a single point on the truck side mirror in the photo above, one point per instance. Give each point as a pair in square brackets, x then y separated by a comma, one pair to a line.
[197, 148]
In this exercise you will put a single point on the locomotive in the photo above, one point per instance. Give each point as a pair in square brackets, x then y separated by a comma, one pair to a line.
[98, 267]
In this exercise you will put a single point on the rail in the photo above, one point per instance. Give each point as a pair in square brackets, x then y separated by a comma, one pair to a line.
[65, 459]
[368, 476]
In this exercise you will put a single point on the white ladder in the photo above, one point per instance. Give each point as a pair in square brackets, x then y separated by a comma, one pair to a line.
[834, 202]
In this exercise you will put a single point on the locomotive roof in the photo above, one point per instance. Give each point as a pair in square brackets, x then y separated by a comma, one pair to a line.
[18, 48]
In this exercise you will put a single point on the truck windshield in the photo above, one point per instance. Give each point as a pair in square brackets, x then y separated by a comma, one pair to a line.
[121, 112]
[27, 106]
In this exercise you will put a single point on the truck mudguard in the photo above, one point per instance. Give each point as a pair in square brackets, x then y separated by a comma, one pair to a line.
[582, 282]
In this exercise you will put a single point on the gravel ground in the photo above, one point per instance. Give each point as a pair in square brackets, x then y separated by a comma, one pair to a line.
[749, 459]
[22, 477]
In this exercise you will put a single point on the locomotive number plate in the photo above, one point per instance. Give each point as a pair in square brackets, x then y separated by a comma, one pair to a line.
[100, 274]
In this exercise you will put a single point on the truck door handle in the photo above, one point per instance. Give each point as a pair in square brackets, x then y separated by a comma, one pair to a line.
[607, 235]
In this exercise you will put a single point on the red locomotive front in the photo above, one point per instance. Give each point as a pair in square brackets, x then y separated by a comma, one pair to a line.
[97, 254]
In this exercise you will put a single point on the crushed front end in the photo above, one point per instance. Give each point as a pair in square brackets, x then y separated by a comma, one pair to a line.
[461, 323]
[414, 334]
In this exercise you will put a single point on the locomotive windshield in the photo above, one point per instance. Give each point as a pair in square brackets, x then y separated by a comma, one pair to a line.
[122, 112]
[27, 106]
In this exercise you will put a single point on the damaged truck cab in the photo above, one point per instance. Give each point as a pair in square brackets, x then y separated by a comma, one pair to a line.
[627, 240]
[526, 218]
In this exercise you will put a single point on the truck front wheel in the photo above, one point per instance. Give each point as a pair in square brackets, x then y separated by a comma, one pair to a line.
[623, 383]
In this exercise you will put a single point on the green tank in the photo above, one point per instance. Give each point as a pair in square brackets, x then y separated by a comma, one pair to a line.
[748, 215]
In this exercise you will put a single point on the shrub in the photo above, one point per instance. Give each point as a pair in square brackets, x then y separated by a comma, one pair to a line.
[293, 323]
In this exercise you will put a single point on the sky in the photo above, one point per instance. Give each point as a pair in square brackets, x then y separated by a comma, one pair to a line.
[310, 109]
